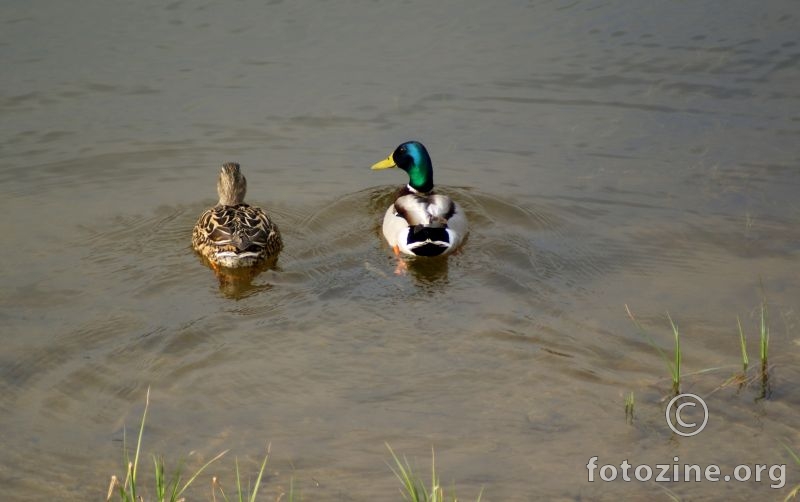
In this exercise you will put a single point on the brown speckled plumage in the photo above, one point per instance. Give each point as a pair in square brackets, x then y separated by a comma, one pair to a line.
[234, 234]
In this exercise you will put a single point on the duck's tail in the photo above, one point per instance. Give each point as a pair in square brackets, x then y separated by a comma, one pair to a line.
[428, 240]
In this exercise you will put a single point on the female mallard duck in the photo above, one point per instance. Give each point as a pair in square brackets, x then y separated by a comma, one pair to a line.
[420, 222]
[234, 234]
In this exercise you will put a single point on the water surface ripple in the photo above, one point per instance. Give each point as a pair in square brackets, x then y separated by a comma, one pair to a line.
[606, 154]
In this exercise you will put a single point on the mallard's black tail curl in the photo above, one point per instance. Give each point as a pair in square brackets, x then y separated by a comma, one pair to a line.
[428, 240]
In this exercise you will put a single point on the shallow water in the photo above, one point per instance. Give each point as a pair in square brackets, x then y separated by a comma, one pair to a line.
[607, 154]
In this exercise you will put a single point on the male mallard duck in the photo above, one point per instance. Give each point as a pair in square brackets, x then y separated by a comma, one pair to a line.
[420, 222]
[234, 234]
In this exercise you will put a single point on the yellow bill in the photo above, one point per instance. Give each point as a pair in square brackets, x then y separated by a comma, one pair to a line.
[385, 164]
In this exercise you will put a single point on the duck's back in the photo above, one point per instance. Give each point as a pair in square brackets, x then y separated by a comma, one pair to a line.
[236, 236]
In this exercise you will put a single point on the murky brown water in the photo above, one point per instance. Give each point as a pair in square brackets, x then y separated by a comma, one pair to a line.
[607, 154]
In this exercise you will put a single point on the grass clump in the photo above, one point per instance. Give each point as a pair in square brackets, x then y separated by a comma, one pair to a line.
[741, 379]
[795, 492]
[166, 489]
[242, 494]
[171, 489]
[763, 344]
[745, 378]
[414, 489]
[764, 338]
[675, 366]
[674, 363]
[629, 403]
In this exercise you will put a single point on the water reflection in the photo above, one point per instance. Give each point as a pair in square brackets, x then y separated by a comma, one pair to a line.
[604, 153]
[427, 272]
[237, 284]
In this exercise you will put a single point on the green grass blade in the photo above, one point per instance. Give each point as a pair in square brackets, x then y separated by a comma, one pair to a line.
[126, 461]
[435, 490]
[174, 482]
[160, 487]
[134, 469]
[141, 434]
[794, 492]
[764, 332]
[260, 474]
[647, 336]
[238, 481]
[404, 474]
[191, 480]
[629, 404]
[291, 490]
[676, 368]
[673, 364]
[743, 345]
[792, 453]
[414, 489]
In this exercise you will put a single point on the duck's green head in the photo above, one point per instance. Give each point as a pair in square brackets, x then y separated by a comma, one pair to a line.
[413, 158]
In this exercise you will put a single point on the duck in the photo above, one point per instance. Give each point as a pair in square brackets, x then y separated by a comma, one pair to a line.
[421, 222]
[234, 234]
